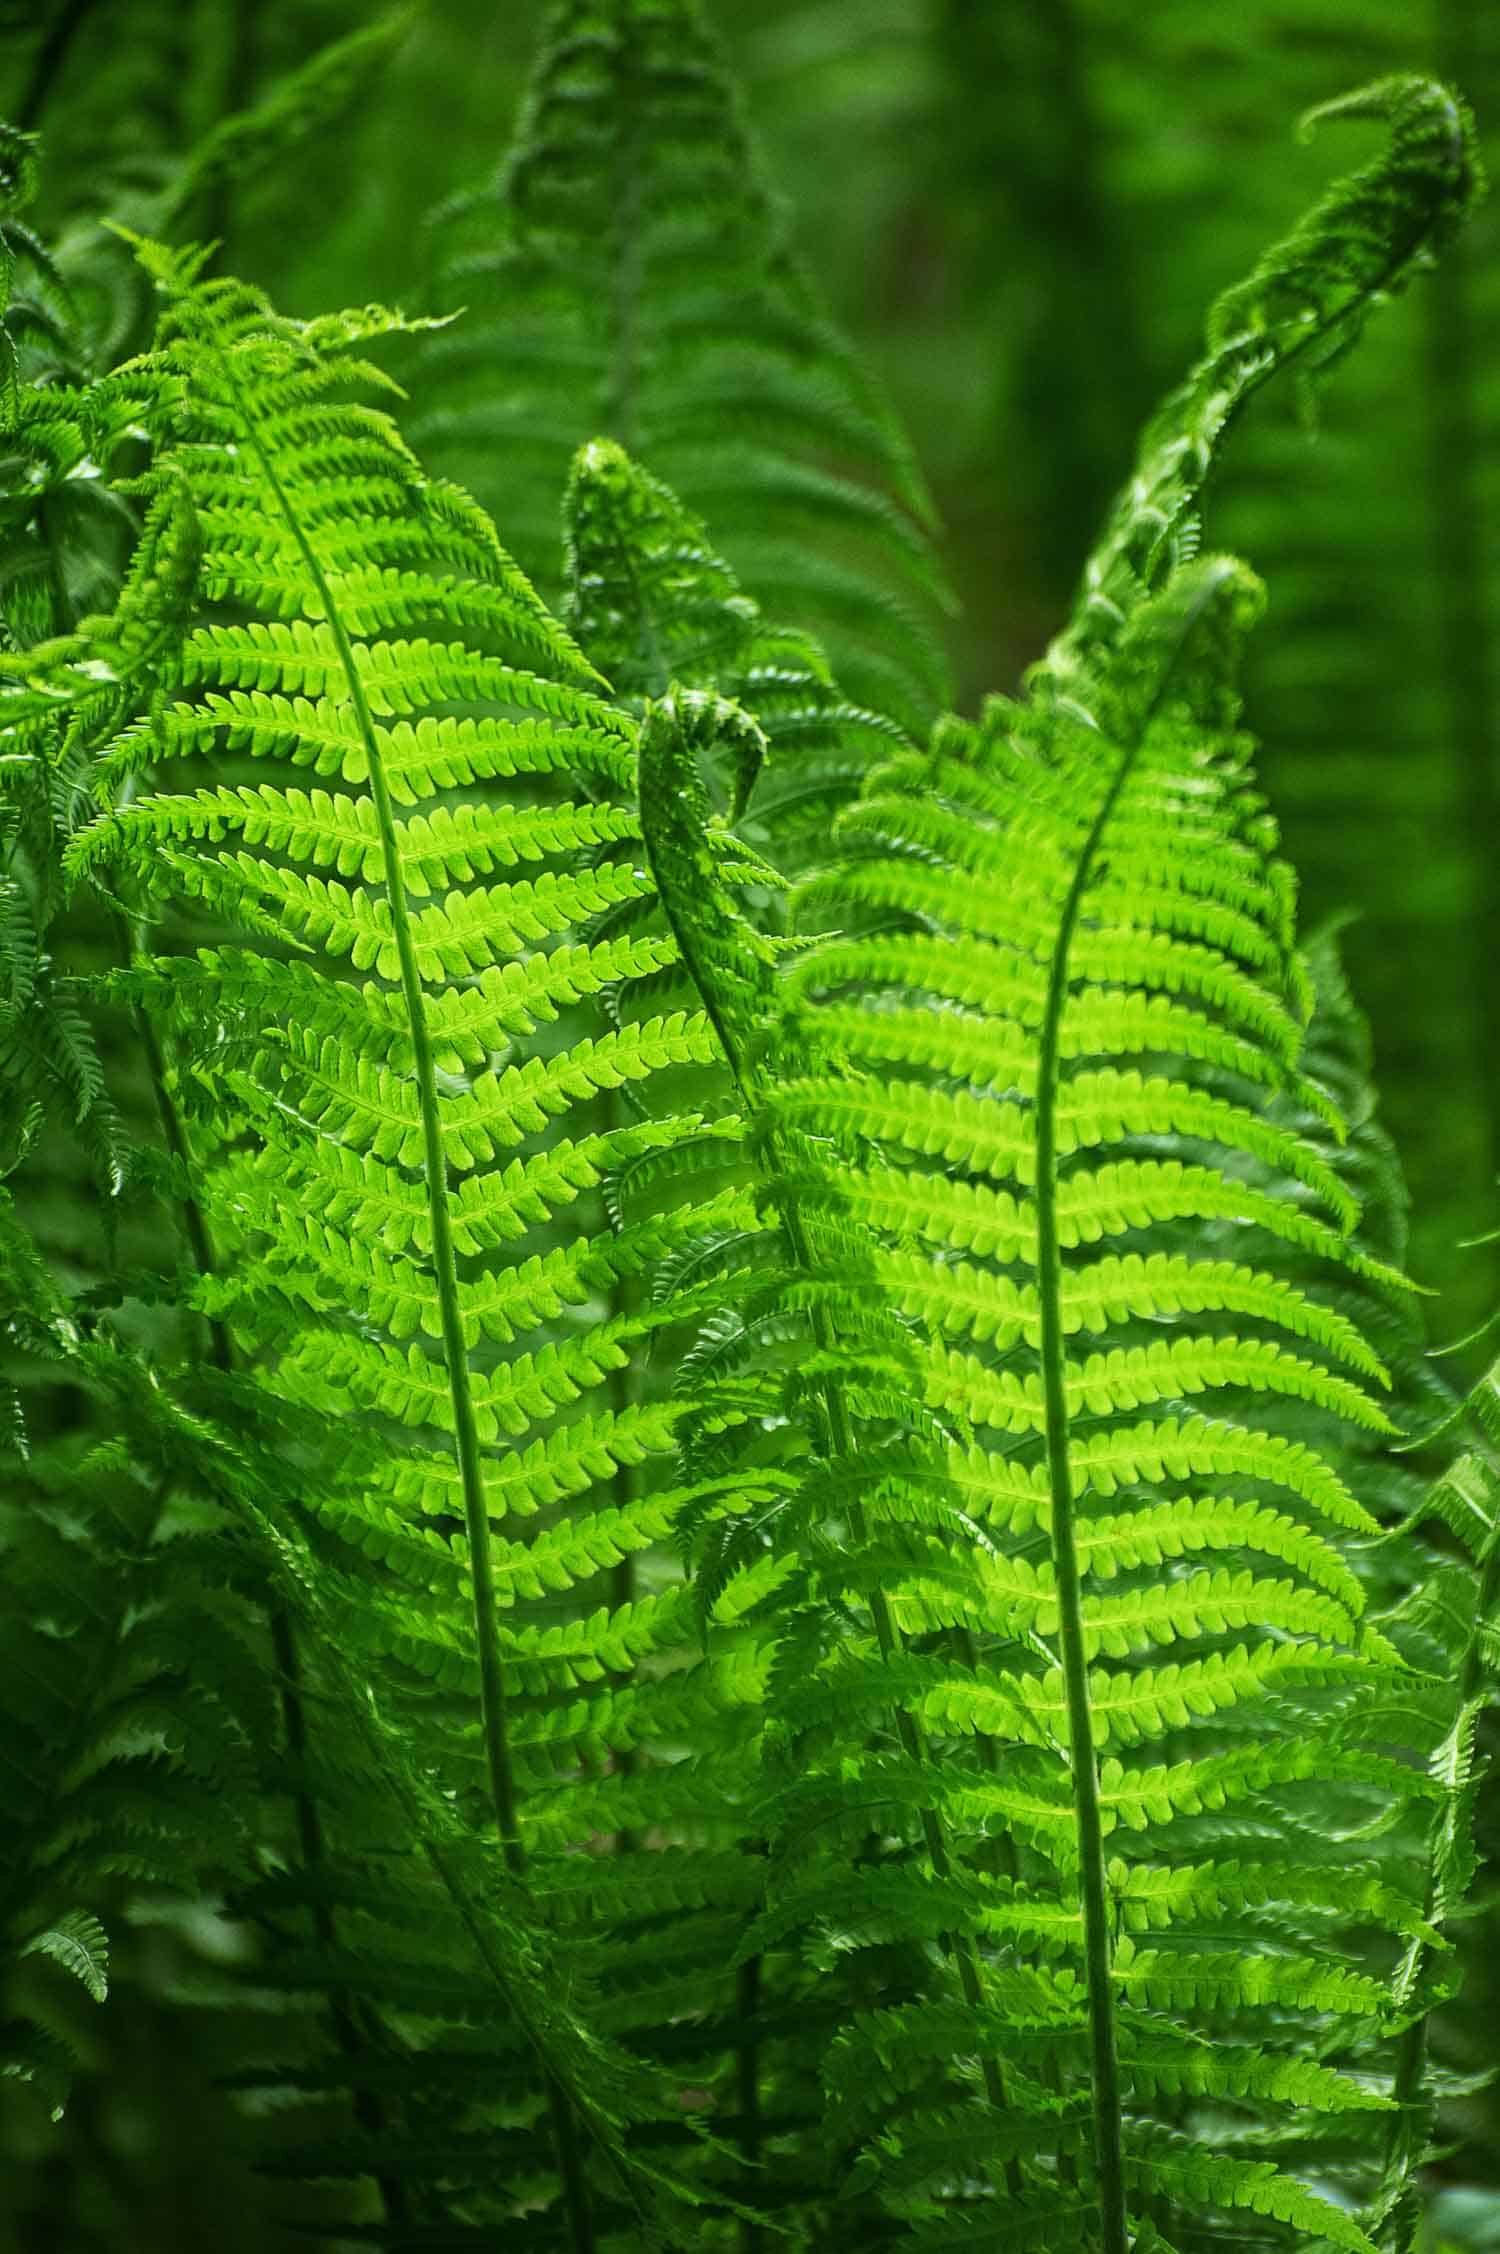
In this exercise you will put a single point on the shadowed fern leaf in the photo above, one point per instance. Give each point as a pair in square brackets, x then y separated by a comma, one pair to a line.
[629, 273]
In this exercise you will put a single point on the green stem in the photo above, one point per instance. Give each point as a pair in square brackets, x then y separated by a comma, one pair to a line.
[195, 1227]
[747, 2086]
[1082, 1758]
[492, 1690]
[1083, 1763]
[50, 56]
[238, 89]
[625, 283]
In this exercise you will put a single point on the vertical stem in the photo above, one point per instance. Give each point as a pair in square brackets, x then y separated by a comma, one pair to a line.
[625, 277]
[624, 1392]
[241, 73]
[368, 2110]
[50, 56]
[747, 2089]
[1411, 2058]
[1105, 2075]
[1083, 1762]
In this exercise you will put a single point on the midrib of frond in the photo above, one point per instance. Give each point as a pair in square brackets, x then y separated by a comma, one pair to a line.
[445, 1271]
[1072, 1638]
[493, 1700]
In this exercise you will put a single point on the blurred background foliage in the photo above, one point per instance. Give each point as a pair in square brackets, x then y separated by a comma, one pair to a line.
[1019, 212]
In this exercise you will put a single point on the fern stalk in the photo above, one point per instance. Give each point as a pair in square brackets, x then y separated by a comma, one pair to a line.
[1467, 673]
[1105, 2078]
[50, 57]
[492, 1690]
[1083, 1764]
[625, 290]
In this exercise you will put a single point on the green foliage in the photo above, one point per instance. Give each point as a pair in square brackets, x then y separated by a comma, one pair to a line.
[728, 1468]
[628, 272]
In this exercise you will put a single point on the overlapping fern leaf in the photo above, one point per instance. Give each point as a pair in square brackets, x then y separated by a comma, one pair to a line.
[369, 1154]
[1191, 1640]
[1067, 1020]
[629, 273]
[1446, 1626]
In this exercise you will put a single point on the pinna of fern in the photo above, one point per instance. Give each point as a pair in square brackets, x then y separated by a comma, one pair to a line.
[126, 1575]
[1446, 1626]
[67, 535]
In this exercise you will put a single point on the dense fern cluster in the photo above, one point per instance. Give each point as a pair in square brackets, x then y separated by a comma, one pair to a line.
[728, 1469]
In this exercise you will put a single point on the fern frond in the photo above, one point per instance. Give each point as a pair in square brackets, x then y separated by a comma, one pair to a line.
[1069, 1007]
[629, 273]
[367, 1101]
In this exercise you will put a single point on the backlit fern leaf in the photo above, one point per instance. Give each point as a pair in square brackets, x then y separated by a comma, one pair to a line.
[1093, 876]
[330, 1122]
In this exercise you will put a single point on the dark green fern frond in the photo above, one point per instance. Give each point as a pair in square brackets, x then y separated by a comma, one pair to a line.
[134, 1702]
[70, 552]
[295, 107]
[629, 273]
[1448, 1624]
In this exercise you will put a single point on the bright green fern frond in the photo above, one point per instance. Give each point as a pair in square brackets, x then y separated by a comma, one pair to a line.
[964, 1077]
[367, 1151]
